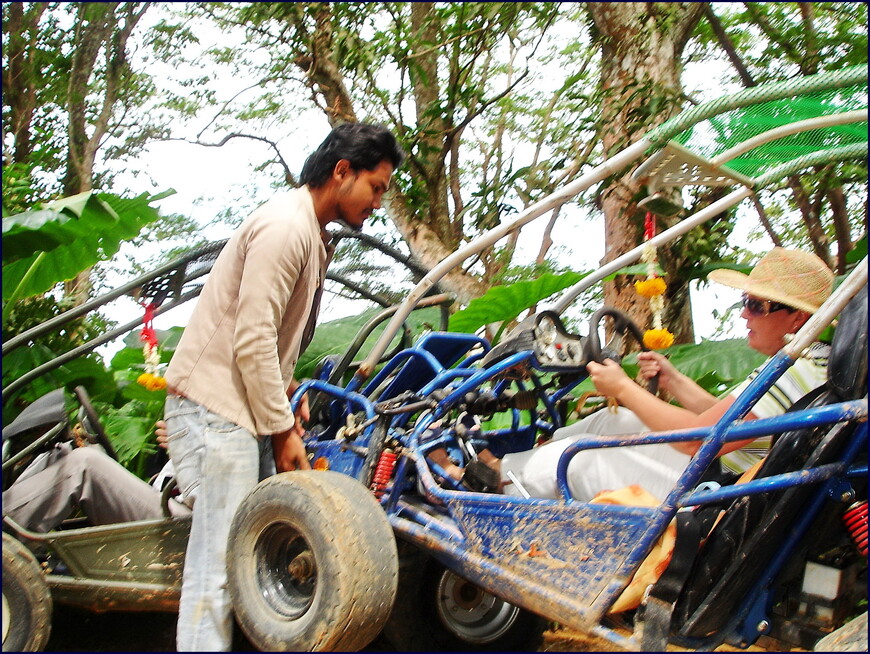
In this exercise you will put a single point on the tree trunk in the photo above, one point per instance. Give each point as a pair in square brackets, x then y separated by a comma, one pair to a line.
[641, 44]
[20, 77]
[101, 28]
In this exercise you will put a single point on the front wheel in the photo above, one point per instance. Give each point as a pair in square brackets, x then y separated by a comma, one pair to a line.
[312, 563]
[27, 603]
[438, 610]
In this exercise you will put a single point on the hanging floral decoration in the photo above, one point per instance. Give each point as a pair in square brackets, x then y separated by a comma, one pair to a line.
[151, 378]
[653, 288]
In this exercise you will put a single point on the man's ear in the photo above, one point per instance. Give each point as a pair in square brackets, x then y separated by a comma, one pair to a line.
[341, 170]
[800, 318]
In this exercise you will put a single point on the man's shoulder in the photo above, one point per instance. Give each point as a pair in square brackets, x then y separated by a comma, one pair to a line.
[294, 202]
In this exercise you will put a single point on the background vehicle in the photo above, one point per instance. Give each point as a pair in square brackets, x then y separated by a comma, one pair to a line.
[312, 559]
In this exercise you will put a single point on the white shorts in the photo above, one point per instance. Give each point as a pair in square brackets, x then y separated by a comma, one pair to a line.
[655, 467]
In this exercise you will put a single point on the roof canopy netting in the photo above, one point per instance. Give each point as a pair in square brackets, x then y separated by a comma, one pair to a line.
[757, 130]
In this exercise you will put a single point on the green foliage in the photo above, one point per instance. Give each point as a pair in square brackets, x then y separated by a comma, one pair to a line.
[333, 337]
[129, 412]
[505, 303]
[132, 434]
[715, 365]
[55, 243]
[20, 190]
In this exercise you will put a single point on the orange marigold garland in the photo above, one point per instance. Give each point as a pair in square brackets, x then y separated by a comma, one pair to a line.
[653, 287]
[151, 378]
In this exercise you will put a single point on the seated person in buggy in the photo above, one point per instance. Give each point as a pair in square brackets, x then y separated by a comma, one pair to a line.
[780, 294]
[67, 477]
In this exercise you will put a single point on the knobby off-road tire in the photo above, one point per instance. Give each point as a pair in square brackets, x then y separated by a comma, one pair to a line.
[27, 604]
[851, 637]
[312, 563]
[436, 610]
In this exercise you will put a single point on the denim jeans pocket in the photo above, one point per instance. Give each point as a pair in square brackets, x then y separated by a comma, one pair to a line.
[185, 441]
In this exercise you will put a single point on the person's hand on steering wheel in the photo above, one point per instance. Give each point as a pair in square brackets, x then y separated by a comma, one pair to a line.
[609, 377]
[654, 363]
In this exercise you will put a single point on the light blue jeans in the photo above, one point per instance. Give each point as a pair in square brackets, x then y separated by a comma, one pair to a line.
[216, 464]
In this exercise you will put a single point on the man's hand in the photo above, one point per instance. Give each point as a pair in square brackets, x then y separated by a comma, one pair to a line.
[289, 451]
[302, 413]
[609, 378]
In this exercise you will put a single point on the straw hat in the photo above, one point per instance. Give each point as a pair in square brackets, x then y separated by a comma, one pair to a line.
[798, 279]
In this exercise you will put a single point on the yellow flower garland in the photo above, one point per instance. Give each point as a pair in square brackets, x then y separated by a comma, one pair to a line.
[151, 382]
[650, 288]
[151, 378]
[658, 339]
[654, 287]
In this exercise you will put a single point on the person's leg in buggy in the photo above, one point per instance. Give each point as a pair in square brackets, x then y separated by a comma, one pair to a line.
[85, 478]
[654, 467]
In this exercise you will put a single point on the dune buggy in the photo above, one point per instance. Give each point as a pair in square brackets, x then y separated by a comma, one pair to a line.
[376, 540]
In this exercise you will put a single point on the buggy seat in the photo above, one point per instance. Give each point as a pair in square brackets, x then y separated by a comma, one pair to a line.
[744, 542]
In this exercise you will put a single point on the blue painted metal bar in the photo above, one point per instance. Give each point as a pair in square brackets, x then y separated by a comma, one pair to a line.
[428, 521]
[479, 377]
[828, 414]
[796, 533]
[348, 396]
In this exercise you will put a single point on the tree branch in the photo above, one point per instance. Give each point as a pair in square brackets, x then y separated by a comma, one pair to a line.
[288, 176]
[765, 221]
[761, 20]
[356, 288]
[810, 60]
[418, 270]
[728, 46]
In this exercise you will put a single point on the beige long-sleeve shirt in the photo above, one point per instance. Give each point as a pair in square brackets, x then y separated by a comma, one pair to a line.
[238, 353]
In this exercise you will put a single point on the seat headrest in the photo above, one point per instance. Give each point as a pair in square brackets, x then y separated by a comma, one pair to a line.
[847, 366]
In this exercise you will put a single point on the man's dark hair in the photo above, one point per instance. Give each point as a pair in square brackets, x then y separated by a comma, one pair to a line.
[365, 146]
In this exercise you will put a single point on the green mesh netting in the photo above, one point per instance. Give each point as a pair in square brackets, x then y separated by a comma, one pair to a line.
[713, 128]
[721, 132]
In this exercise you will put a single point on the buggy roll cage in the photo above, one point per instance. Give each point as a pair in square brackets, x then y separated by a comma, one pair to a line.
[752, 139]
[178, 282]
[841, 97]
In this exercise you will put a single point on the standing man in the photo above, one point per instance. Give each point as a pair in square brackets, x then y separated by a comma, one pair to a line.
[227, 412]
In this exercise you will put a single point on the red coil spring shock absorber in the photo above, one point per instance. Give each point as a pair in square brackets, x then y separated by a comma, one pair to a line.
[855, 519]
[383, 472]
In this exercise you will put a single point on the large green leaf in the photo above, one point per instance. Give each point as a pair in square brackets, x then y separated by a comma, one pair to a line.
[132, 436]
[59, 222]
[334, 337]
[504, 303]
[55, 243]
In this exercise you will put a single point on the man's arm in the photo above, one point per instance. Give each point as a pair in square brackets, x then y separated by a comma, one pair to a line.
[658, 415]
[688, 393]
[288, 447]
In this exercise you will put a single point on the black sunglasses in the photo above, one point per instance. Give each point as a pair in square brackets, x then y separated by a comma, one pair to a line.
[763, 307]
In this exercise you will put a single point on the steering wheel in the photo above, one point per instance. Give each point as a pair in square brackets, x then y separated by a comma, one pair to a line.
[622, 325]
[94, 422]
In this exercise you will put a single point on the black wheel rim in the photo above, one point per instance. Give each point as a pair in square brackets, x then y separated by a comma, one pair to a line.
[471, 613]
[286, 570]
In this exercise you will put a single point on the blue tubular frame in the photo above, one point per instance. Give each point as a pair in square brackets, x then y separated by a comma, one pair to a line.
[738, 630]
[468, 531]
[729, 428]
